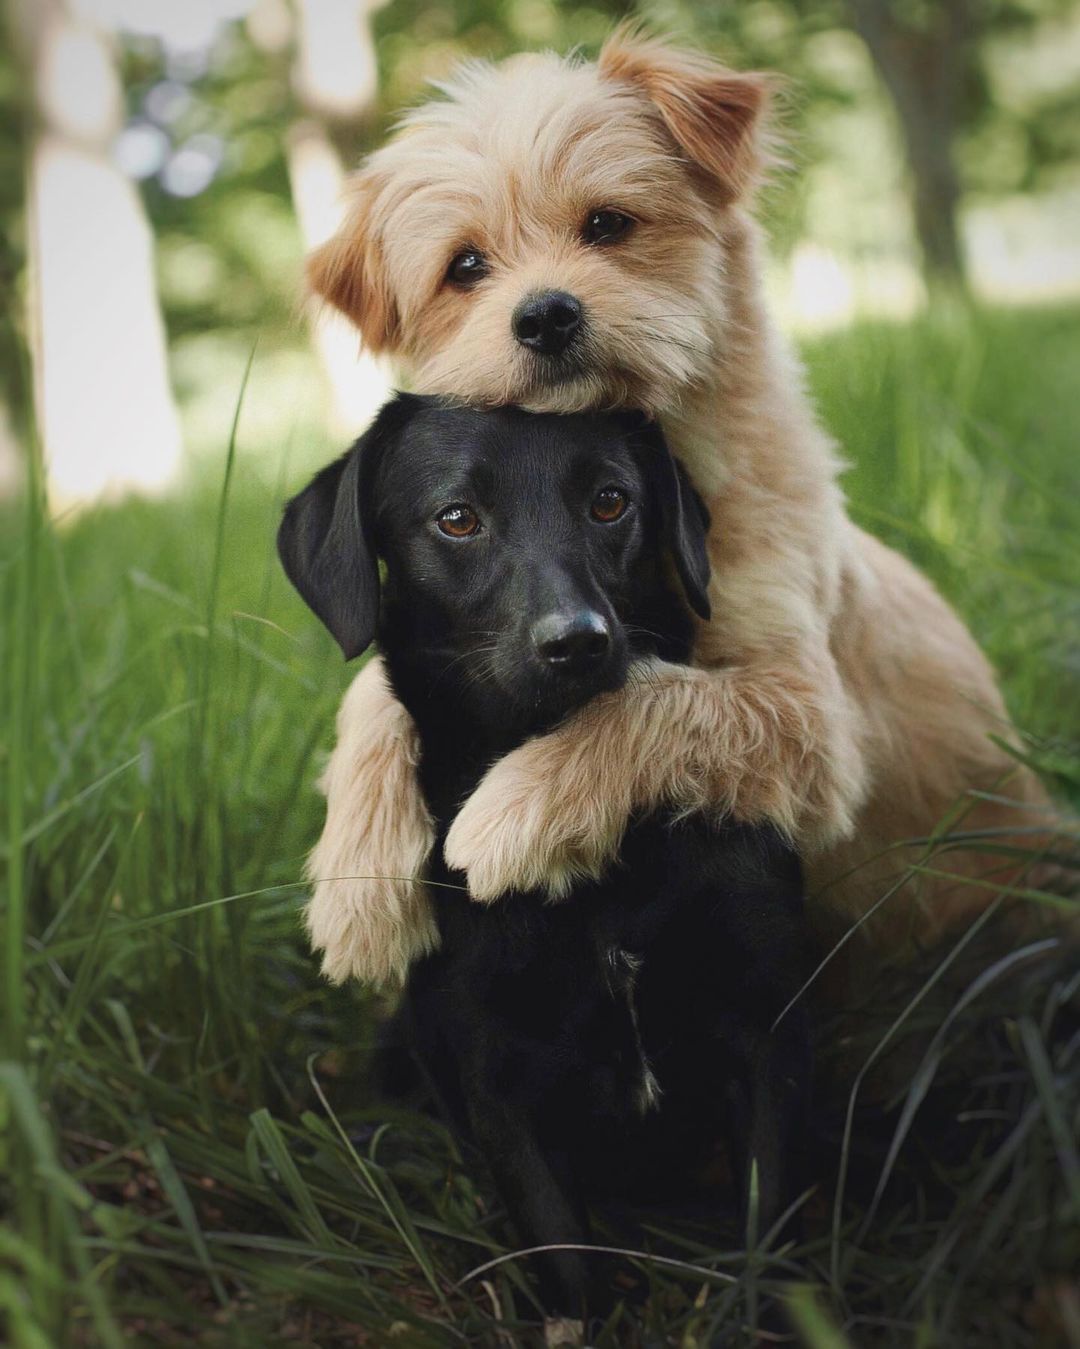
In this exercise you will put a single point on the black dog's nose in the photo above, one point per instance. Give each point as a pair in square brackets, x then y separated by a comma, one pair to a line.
[548, 322]
[567, 641]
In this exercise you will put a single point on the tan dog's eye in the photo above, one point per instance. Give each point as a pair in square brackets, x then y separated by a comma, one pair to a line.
[458, 522]
[467, 267]
[608, 505]
[606, 227]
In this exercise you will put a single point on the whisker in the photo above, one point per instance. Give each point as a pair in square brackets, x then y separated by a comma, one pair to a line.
[656, 335]
[649, 318]
[477, 652]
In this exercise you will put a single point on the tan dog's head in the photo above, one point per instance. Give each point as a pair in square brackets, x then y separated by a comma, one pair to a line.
[548, 234]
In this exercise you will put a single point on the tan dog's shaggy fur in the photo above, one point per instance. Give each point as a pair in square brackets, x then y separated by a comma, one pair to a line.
[837, 694]
[377, 925]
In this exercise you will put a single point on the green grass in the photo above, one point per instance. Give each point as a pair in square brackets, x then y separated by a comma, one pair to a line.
[190, 1148]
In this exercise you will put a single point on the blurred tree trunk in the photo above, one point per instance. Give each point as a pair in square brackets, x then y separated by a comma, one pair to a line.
[106, 414]
[922, 54]
[334, 77]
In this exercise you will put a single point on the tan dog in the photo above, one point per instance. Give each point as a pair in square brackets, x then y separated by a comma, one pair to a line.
[837, 694]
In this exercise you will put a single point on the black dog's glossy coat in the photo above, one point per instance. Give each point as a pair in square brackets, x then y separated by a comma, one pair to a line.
[586, 1043]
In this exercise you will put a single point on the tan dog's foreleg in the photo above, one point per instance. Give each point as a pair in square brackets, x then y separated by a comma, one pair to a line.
[761, 742]
[369, 914]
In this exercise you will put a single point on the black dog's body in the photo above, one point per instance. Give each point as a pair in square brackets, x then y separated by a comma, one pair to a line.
[605, 1044]
[632, 1024]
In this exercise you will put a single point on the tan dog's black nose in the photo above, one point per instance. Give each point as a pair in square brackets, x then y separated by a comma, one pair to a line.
[571, 640]
[547, 323]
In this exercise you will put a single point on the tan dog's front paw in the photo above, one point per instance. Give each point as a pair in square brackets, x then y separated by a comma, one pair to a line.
[369, 928]
[370, 915]
[533, 823]
[756, 744]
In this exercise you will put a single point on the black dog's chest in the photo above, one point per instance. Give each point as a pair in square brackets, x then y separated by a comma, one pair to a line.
[603, 1045]
[601, 994]
[554, 987]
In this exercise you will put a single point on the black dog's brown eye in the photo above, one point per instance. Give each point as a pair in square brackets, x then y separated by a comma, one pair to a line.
[606, 227]
[458, 522]
[467, 267]
[608, 505]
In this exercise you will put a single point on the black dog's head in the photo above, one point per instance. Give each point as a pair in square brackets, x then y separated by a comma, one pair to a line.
[526, 554]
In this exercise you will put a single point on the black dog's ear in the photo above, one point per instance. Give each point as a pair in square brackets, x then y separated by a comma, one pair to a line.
[327, 553]
[325, 540]
[683, 518]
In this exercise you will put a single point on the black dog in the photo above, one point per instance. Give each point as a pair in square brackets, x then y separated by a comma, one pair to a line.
[619, 1033]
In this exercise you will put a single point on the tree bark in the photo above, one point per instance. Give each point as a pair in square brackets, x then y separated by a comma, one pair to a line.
[924, 69]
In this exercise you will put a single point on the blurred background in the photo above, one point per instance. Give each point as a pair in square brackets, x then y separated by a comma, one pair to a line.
[178, 160]
[191, 1145]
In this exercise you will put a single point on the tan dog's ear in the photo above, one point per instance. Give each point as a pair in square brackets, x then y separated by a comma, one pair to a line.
[349, 271]
[712, 112]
